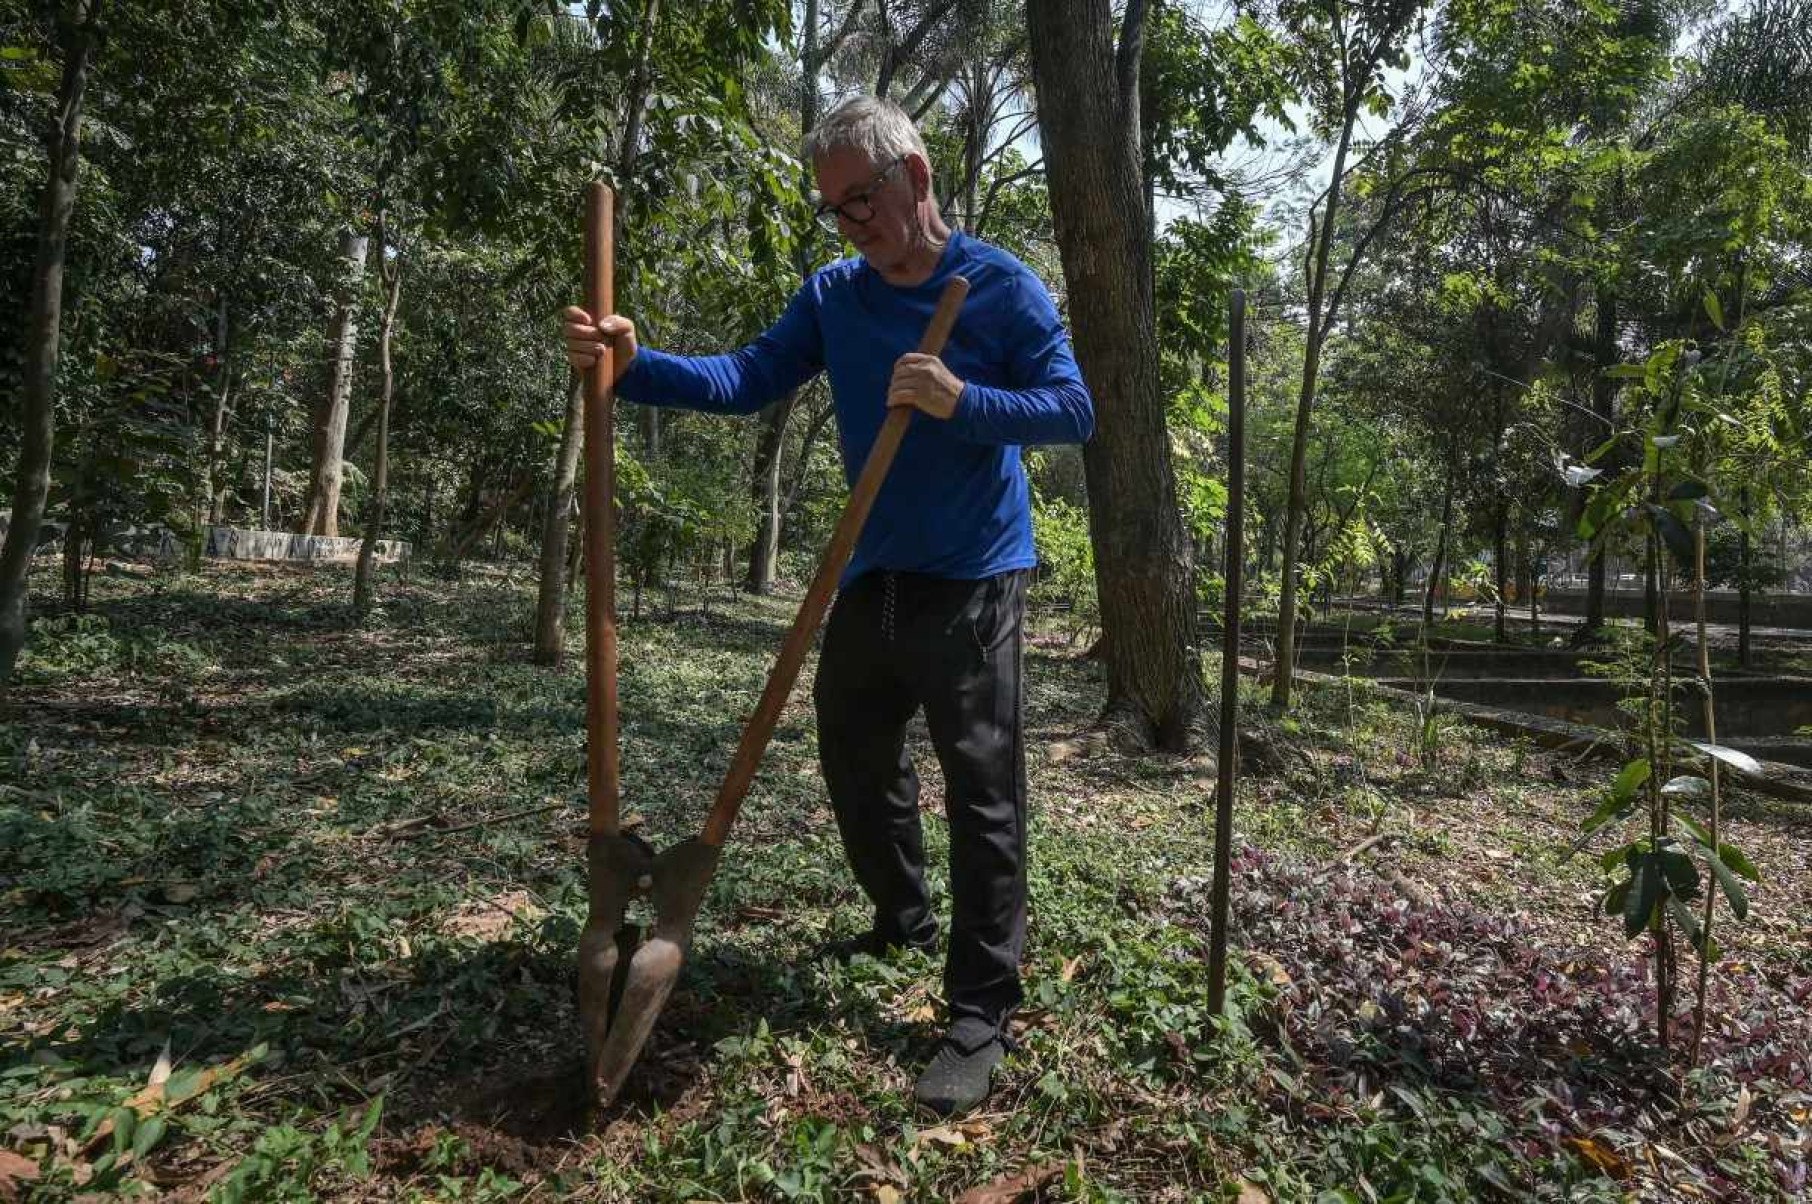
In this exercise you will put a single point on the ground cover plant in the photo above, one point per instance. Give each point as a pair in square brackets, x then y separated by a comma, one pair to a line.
[290, 907]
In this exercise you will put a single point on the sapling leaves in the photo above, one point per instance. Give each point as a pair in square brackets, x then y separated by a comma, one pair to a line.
[1673, 533]
[1730, 756]
[1639, 905]
[1687, 785]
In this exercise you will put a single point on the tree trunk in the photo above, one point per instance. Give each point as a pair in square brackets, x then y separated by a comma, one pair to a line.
[1439, 568]
[75, 547]
[462, 543]
[44, 325]
[556, 523]
[1501, 619]
[1604, 402]
[1087, 92]
[321, 516]
[380, 472]
[764, 478]
[1323, 244]
[1651, 603]
[648, 418]
[1743, 570]
[764, 551]
[215, 488]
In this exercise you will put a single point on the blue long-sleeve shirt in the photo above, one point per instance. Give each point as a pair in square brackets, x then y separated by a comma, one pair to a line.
[955, 504]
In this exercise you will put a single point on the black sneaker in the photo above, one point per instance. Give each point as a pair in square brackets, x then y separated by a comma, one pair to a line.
[844, 950]
[961, 1073]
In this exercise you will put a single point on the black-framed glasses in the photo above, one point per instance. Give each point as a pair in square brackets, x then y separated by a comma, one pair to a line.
[858, 207]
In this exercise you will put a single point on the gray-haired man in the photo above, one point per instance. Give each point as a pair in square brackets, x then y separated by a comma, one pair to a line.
[930, 611]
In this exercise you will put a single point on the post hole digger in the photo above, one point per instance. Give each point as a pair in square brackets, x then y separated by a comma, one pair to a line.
[624, 984]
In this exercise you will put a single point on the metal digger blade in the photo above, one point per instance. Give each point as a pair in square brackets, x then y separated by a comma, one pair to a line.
[681, 876]
[620, 869]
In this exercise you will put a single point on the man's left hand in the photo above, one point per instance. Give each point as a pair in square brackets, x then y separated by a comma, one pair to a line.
[923, 381]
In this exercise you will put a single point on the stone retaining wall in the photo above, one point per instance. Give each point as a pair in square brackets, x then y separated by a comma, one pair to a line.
[237, 543]
[223, 543]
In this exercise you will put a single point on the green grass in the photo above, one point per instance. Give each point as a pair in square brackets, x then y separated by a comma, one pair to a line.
[223, 833]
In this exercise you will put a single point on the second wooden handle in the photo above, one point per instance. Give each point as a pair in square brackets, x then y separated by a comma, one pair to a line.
[760, 728]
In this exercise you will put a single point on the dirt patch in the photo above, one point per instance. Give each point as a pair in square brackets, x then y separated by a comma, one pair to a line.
[494, 918]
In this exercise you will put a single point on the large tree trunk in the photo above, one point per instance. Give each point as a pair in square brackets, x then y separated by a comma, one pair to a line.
[1088, 112]
[556, 524]
[44, 326]
[322, 513]
[1322, 244]
[380, 472]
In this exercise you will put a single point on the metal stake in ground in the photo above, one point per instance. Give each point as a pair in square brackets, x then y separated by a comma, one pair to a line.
[1236, 553]
[677, 879]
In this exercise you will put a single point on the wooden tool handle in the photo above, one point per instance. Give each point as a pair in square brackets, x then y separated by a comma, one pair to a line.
[600, 527]
[761, 724]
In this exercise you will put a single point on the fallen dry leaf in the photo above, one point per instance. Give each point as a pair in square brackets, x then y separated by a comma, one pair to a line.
[950, 1136]
[1601, 1156]
[151, 1098]
[1252, 1193]
[1070, 966]
[1263, 965]
[1012, 1188]
[492, 919]
[15, 1170]
[886, 1194]
[160, 1071]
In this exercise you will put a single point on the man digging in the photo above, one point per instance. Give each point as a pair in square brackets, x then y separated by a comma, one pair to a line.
[930, 610]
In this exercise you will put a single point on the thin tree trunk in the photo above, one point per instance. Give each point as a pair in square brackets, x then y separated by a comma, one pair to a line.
[215, 487]
[1604, 403]
[550, 607]
[628, 150]
[1305, 404]
[1744, 554]
[1088, 106]
[1501, 624]
[321, 516]
[75, 544]
[558, 571]
[380, 473]
[1651, 605]
[764, 551]
[764, 477]
[482, 526]
[1439, 568]
[44, 324]
[1708, 716]
[791, 493]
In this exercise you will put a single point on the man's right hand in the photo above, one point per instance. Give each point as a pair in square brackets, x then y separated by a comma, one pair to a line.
[586, 341]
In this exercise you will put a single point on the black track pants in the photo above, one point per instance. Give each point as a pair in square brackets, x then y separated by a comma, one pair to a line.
[897, 642]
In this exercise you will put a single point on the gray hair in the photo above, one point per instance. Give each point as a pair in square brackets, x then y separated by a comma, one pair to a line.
[874, 125]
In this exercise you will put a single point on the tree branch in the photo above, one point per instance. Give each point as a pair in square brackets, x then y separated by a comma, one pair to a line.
[829, 49]
[994, 187]
[899, 52]
[1126, 58]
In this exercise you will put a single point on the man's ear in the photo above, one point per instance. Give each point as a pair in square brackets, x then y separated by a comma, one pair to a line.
[919, 172]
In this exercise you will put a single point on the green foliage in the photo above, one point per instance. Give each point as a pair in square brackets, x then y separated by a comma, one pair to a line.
[1067, 560]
